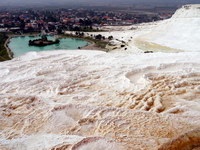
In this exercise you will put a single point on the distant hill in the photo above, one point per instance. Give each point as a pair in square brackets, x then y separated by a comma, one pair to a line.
[91, 2]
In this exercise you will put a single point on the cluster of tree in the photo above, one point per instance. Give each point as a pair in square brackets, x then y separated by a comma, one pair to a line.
[100, 37]
[85, 22]
[81, 34]
[110, 37]
[97, 37]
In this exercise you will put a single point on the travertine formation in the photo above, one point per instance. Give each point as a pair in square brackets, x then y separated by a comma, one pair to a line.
[95, 100]
[180, 33]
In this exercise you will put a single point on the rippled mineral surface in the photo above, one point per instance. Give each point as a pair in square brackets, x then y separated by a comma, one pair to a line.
[94, 100]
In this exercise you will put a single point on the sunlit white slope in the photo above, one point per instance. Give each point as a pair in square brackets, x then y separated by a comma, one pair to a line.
[90, 100]
[181, 32]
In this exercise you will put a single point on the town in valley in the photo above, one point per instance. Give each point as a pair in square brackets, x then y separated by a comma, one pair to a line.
[29, 20]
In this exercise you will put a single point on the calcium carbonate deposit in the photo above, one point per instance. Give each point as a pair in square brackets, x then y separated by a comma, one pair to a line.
[92, 100]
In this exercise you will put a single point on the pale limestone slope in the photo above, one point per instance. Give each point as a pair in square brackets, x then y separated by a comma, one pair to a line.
[181, 32]
[95, 100]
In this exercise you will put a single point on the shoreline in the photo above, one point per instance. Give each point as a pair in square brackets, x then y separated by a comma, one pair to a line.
[9, 51]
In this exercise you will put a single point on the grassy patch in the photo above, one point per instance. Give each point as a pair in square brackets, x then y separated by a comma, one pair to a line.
[101, 44]
[3, 51]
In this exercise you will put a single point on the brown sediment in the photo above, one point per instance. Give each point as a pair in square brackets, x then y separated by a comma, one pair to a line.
[92, 46]
[187, 141]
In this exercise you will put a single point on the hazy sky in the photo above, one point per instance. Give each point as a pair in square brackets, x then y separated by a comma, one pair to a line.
[52, 2]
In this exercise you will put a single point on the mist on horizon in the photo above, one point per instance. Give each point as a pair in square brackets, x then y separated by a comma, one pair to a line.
[90, 2]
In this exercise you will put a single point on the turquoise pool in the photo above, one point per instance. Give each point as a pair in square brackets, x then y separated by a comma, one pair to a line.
[19, 45]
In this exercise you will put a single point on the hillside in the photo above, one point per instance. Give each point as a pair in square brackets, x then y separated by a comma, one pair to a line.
[177, 34]
[181, 32]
